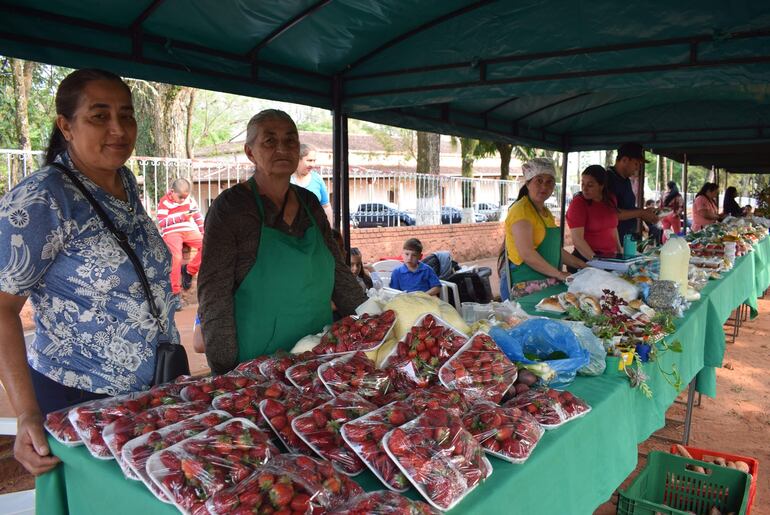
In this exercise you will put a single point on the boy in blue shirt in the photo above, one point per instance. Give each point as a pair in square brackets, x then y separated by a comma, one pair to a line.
[413, 275]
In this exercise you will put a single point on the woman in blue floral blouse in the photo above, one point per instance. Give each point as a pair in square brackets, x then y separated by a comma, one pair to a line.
[94, 332]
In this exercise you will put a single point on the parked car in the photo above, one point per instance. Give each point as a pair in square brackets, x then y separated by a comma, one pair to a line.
[454, 215]
[490, 210]
[380, 214]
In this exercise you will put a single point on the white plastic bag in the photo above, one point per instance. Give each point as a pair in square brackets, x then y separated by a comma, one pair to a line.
[593, 281]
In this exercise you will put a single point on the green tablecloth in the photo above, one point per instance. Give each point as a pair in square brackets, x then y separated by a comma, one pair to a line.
[762, 265]
[574, 468]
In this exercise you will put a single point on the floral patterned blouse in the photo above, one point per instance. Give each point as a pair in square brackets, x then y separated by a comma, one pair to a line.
[93, 326]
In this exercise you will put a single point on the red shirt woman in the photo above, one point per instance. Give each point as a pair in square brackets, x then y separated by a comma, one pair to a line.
[592, 216]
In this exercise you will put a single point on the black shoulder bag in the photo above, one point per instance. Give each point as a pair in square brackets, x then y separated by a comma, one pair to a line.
[170, 359]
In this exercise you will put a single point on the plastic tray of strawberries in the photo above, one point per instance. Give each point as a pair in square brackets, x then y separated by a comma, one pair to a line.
[334, 487]
[89, 419]
[439, 457]
[438, 396]
[117, 434]
[58, 424]
[279, 414]
[245, 402]
[275, 366]
[364, 435]
[136, 452]
[304, 375]
[355, 373]
[209, 388]
[365, 333]
[383, 502]
[507, 433]
[251, 368]
[551, 408]
[417, 357]
[480, 370]
[191, 471]
[320, 430]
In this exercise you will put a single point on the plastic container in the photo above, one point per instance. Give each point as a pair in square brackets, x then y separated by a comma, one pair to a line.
[551, 408]
[753, 464]
[275, 366]
[245, 402]
[675, 262]
[383, 502]
[136, 452]
[364, 435]
[278, 415]
[335, 489]
[354, 372]
[366, 333]
[665, 486]
[208, 388]
[251, 368]
[506, 433]
[304, 376]
[438, 397]
[58, 424]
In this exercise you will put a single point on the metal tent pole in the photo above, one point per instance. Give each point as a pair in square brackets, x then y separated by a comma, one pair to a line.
[345, 186]
[337, 150]
[684, 188]
[563, 214]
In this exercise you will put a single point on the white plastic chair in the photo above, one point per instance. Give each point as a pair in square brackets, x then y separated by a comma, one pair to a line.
[386, 265]
[447, 288]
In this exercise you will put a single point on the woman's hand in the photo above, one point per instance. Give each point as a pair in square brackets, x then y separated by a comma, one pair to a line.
[31, 447]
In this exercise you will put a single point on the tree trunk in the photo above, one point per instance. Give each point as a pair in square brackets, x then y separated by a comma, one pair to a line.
[428, 187]
[505, 150]
[188, 129]
[22, 84]
[467, 146]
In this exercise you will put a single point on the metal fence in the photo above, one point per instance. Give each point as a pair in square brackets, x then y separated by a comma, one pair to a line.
[376, 197]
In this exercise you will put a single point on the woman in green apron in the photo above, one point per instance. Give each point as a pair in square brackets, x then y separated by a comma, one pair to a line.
[270, 267]
[532, 239]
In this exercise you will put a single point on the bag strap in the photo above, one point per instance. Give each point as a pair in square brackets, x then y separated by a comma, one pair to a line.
[121, 238]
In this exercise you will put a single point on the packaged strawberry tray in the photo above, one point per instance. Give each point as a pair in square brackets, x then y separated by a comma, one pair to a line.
[251, 368]
[354, 373]
[279, 414]
[416, 359]
[193, 470]
[208, 388]
[136, 452]
[123, 430]
[551, 408]
[90, 418]
[334, 487]
[245, 402]
[507, 433]
[480, 370]
[439, 457]
[364, 435]
[304, 375]
[383, 502]
[275, 366]
[58, 424]
[365, 333]
[438, 397]
[320, 430]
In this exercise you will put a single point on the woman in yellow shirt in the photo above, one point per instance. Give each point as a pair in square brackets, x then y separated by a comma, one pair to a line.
[532, 238]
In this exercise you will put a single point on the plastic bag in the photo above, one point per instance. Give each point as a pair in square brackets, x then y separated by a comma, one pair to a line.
[279, 413]
[209, 388]
[551, 408]
[117, 434]
[592, 281]
[334, 489]
[508, 433]
[245, 402]
[58, 424]
[365, 333]
[479, 369]
[418, 356]
[320, 430]
[550, 344]
[439, 457]
[596, 351]
[304, 375]
[193, 470]
[438, 397]
[364, 436]
[136, 452]
[354, 373]
[306, 344]
[383, 502]
[90, 418]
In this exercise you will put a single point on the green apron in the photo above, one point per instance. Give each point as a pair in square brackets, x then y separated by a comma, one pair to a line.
[287, 293]
[549, 249]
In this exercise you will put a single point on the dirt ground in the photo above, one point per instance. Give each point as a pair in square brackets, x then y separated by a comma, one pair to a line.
[736, 422]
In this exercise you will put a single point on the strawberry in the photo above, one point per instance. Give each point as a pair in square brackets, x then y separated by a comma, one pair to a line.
[364, 333]
[281, 494]
[58, 424]
[356, 373]
[480, 370]
[280, 414]
[385, 502]
[551, 408]
[507, 432]
[208, 388]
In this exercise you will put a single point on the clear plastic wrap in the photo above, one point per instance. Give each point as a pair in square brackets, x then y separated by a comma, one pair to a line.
[320, 430]
[58, 424]
[417, 358]
[208, 388]
[90, 418]
[439, 457]
[438, 397]
[304, 375]
[334, 488]
[364, 333]
[383, 502]
[193, 470]
[479, 369]
[275, 366]
[278, 414]
[364, 435]
[354, 373]
[117, 434]
[245, 402]
[251, 368]
[508, 433]
[136, 452]
[551, 408]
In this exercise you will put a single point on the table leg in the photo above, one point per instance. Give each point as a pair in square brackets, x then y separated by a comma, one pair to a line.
[688, 412]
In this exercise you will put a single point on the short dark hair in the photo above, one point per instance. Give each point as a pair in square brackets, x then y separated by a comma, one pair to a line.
[414, 245]
[180, 185]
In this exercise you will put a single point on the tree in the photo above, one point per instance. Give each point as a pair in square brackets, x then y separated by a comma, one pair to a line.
[22, 87]
[505, 150]
[428, 188]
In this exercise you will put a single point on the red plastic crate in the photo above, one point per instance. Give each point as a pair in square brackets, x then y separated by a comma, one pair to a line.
[753, 464]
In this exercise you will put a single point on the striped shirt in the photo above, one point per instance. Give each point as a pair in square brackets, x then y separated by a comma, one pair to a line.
[173, 216]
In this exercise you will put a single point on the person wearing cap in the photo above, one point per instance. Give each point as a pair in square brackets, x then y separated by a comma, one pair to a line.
[532, 238]
[627, 164]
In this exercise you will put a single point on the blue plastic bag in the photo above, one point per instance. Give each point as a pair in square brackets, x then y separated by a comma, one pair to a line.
[543, 337]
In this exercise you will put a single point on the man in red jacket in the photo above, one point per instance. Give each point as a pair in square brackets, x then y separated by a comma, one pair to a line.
[181, 224]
